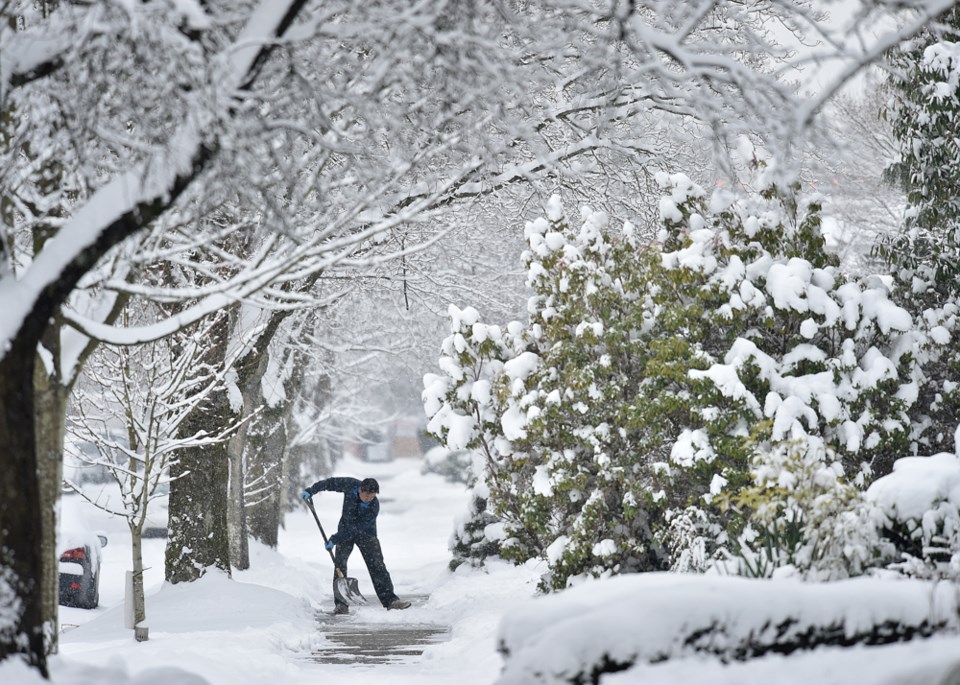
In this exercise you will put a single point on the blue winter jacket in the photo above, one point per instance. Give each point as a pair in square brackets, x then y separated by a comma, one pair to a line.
[358, 519]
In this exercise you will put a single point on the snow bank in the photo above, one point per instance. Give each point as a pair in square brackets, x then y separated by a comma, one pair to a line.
[16, 672]
[610, 625]
[213, 631]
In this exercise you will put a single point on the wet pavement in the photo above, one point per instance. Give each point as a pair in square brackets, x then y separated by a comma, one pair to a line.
[363, 643]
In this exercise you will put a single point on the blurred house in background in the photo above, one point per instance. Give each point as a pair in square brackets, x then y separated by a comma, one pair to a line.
[403, 437]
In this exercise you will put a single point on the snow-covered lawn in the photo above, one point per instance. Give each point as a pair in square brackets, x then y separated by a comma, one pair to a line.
[260, 627]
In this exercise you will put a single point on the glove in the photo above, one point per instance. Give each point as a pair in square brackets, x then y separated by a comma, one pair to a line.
[306, 496]
[331, 542]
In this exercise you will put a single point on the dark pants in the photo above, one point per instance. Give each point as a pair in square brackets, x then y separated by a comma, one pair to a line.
[373, 557]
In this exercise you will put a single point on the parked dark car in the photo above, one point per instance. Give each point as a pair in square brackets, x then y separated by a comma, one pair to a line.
[80, 573]
[79, 546]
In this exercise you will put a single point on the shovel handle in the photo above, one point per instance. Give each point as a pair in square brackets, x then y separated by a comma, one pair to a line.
[320, 526]
[347, 594]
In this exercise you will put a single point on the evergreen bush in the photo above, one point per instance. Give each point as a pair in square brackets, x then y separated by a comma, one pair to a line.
[632, 422]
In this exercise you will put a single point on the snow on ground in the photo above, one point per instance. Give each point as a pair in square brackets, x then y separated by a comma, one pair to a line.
[260, 626]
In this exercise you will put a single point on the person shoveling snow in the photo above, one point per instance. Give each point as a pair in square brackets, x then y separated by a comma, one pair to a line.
[358, 526]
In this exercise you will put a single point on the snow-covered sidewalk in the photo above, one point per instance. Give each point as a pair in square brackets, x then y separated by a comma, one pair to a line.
[262, 626]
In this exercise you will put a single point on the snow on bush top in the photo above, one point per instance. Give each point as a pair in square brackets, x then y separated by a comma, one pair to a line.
[918, 485]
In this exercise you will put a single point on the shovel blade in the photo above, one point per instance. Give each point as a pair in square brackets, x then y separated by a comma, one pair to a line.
[347, 591]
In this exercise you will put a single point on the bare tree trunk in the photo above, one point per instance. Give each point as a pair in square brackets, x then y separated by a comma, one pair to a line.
[247, 447]
[266, 444]
[139, 601]
[290, 471]
[236, 504]
[28, 523]
[49, 415]
[200, 480]
[198, 511]
[249, 372]
[21, 527]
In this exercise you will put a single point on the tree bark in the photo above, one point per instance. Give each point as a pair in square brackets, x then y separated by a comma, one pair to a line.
[257, 456]
[21, 523]
[266, 446]
[198, 510]
[199, 538]
[236, 504]
[247, 368]
[49, 417]
[139, 602]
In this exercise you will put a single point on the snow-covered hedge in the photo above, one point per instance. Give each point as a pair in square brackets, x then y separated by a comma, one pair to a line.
[609, 625]
[919, 514]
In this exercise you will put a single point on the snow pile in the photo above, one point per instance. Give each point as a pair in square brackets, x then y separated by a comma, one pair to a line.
[16, 672]
[610, 625]
[218, 629]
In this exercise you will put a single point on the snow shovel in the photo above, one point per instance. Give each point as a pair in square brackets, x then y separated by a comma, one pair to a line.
[345, 590]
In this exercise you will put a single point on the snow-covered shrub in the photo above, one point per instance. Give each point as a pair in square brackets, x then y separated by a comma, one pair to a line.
[937, 377]
[924, 111]
[496, 382]
[455, 466]
[918, 507]
[803, 516]
[654, 380]
[809, 384]
[477, 534]
[690, 538]
[462, 411]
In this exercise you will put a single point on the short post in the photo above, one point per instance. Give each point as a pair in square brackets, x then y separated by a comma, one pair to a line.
[141, 633]
[128, 612]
